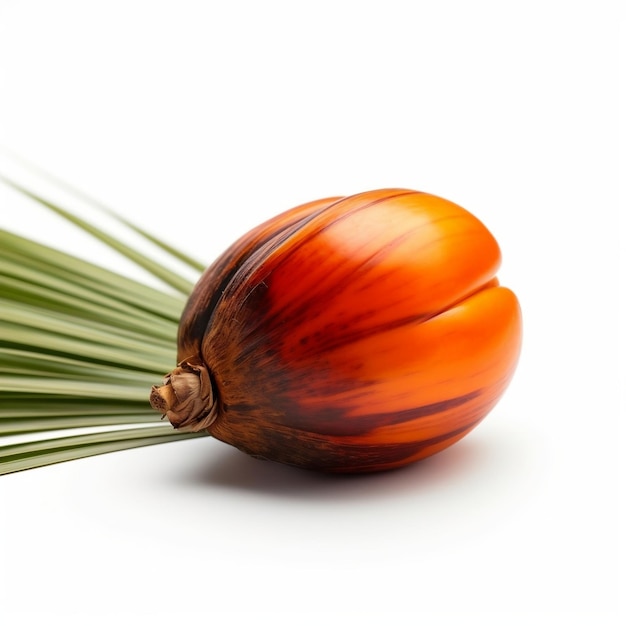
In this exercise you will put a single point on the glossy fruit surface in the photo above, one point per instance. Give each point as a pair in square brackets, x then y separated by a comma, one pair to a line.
[349, 334]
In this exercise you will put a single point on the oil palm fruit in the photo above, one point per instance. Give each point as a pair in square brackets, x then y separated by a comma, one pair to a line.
[349, 334]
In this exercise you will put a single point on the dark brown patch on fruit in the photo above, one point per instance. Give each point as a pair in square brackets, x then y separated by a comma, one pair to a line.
[295, 447]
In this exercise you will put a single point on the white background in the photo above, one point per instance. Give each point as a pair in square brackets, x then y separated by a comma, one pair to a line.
[200, 119]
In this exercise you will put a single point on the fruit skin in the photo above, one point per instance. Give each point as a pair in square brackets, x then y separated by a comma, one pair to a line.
[352, 334]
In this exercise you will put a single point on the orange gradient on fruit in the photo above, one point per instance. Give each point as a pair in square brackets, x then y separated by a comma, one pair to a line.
[354, 334]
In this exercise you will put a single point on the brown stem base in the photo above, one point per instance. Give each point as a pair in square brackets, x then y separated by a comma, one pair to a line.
[187, 397]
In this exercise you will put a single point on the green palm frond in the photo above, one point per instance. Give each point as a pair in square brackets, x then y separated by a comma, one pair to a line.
[80, 347]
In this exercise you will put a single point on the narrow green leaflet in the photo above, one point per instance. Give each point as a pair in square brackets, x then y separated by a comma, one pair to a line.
[19, 284]
[68, 272]
[77, 193]
[156, 269]
[16, 457]
[27, 426]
